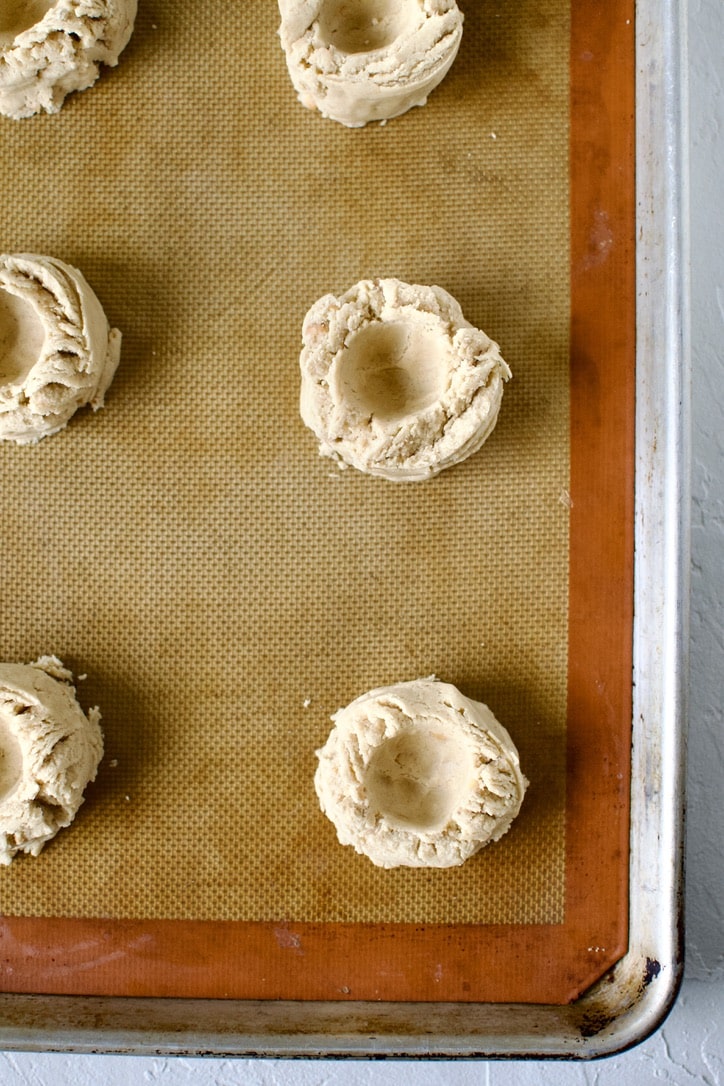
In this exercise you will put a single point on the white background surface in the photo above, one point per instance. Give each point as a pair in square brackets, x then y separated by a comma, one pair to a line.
[689, 1047]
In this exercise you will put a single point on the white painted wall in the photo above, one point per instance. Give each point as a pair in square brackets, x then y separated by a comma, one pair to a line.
[689, 1048]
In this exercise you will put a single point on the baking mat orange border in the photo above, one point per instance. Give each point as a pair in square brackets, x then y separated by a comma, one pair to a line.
[530, 963]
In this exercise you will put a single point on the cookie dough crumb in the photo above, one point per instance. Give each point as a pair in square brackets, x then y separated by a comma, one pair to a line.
[417, 775]
[49, 752]
[57, 350]
[49, 48]
[357, 61]
[395, 381]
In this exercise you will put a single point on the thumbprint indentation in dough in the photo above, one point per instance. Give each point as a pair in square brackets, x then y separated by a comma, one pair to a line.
[11, 760]
[17, 16]
[360, 26]
[21, 338]
[415, 780]
[394, 370]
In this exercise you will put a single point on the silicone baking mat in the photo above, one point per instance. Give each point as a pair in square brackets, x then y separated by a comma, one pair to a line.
[223, 588]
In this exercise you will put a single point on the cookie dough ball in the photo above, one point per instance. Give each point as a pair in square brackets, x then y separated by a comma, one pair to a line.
[57, 351]
[49, 48]
[395, 381]
[416, 775]
[368, 60]
[49, 752]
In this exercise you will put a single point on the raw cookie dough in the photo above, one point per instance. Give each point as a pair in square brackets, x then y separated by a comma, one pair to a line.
[368, 60]
[49, 752]
[57, 351]
[417, 775]
[395, 381]
[49, 48]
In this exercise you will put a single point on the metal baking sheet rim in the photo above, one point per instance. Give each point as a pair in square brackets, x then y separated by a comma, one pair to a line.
[634, 997]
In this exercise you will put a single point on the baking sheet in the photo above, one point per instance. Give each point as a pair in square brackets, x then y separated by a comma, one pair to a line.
[223, 588]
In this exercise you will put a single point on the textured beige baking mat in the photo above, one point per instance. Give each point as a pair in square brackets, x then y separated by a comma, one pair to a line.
[224, 588]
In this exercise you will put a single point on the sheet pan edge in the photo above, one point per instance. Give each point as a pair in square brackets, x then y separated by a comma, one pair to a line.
[633, 999]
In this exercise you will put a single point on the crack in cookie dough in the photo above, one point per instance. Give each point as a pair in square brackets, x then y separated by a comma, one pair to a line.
[49, 752]
[395, 381]
[57, 351]
[49, 49]
[417, 775]
[358, 61]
